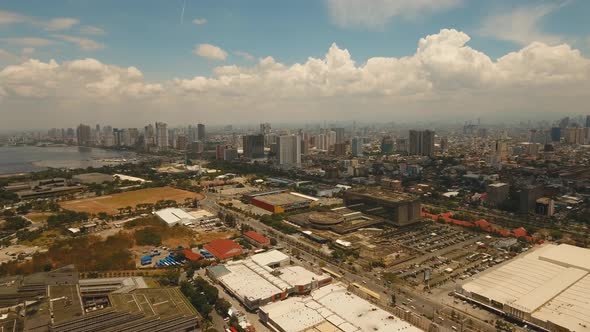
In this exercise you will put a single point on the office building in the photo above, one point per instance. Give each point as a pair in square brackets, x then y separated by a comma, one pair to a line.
[83, 135]
[397, 208]
[253, 146]
[289, 151]
[265, 128]
[528, 196]
[587, 121]
[401, 145]
[357, 147]
[193, 135]
[574, 136]
[555, 134]
[545, 206]
[201, 132]
[497, 193]
[422, 142]
[339, 135]
[161, 134]
[387, 145]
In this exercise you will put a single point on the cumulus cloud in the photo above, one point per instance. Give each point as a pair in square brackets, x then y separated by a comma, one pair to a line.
[210, 51]
[92, 30]
[520, 25]
[83, 43]
[7, 17]
[444, 79]
[61, 23]
[28, 51]
[200, 21]
[376, 13]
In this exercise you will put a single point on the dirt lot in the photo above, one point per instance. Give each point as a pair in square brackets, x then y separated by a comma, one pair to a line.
[39, 217]
[111, 203]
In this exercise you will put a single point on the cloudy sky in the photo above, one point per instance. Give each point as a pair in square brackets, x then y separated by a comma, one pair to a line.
[126, 63]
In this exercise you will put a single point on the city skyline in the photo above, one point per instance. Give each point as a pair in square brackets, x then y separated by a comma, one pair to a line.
[498, 61]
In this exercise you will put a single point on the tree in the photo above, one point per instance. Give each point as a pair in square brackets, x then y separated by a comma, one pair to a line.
[222, 307]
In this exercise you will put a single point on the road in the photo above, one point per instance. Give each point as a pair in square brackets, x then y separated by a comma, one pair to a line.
[310, 257]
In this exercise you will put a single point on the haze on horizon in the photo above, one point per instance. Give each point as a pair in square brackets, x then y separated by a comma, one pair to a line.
[230, 62]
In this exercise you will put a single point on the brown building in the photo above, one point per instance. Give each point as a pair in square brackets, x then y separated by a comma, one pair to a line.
[397, 208]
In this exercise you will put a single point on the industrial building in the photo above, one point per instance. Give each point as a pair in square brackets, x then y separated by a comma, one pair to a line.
[92, 178]
[397, 208]
[331, 308]
[175, 216]
[280, 201]
[548, 287]
[223, 249]
[59, 301]
[256, 239]
[265, 277]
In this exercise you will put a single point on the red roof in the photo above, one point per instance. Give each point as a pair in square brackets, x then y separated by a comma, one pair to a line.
[223, 248]
[519, 232]
[191, 255]
[257, 237]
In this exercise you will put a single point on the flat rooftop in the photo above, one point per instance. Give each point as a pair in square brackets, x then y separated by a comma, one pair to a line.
[387, 195]
[333, 306]
[282, 199]
[550, 282]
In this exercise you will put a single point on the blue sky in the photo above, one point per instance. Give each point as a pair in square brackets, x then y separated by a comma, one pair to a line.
[149, 34]
[131, 62]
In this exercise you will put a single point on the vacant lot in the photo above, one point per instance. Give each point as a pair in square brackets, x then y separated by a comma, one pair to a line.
[111, 203]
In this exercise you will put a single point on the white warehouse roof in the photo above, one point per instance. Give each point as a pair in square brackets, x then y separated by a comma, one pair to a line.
[174, 216]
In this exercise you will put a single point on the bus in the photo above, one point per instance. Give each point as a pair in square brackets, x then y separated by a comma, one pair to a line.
[332, 273]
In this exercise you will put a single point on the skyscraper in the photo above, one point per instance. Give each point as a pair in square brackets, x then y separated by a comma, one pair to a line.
[161, 135]
[265, 128]
[587, 121]
[339, 135]
[422, 142]
[357, 147]
[289, 151]
[83, 135]
[387, 145]
[193, 133]
[201, 132]
[253, 146]
[555, 134]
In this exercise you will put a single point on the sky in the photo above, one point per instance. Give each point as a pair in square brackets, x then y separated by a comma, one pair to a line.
[127, 63]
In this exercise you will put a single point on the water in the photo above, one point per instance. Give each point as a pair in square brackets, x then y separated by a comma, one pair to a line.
[20, 159]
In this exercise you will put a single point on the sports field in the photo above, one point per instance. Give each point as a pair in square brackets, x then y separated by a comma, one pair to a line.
[111, 203]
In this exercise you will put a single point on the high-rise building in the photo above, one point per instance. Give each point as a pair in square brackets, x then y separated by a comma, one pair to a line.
[500, 150]
[193, 133]
[387, 145]
[545, 206]
[253, 146]
[357, 147]
[587, 121]
[83, 135]
[401, 145]
[422, 142]
[339, 135]
[289, 151]
[574, 135]
[161, 136]
[555, 134]
[201, 132]
[182, 142]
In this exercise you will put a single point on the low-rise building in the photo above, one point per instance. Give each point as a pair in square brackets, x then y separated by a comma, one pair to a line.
[223, 249]
[256, 239]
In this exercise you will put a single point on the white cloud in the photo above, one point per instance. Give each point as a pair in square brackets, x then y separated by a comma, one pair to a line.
[520, 25]
[29, 41]
[200, 21]
[444, 79]
[376, 13]
[84, 44]
[210, 51]
[7, 17]
[245, 55]
[61, 23]
[92, 30]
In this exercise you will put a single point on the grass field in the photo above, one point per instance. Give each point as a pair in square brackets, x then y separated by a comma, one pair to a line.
[111, 203]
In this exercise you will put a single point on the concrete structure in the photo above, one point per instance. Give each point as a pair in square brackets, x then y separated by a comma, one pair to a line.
[253, 146]
[83, 135]
[545, 206]
[357, 147]
[281, 201]
[175, 216]
[95, 178]
[289, 151]
[422, 142]
[161, 136]
[265, 278]
[497, 193]
[331, 308]
[527, 197]
[548, 287]
[398, 208]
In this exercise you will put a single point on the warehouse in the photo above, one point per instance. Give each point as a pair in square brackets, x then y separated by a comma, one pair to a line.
[223, 249]
[331, 308]
[94, 178]
[397, 208]
[280, 201]
[265, 278]
[548, 287]
[175, 216]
